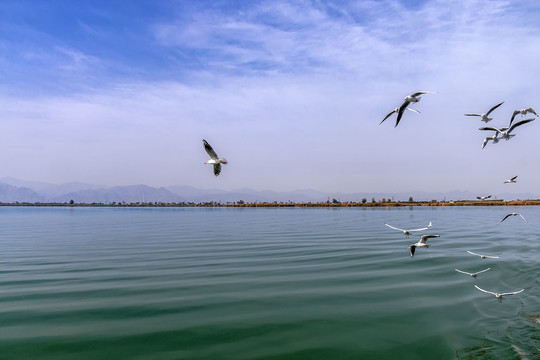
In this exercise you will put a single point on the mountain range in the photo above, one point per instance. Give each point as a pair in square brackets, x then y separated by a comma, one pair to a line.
[15, 190]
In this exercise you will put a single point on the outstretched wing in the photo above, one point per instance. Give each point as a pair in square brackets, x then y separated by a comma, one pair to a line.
[487, 292]
[395, 228]
[487, 197]
[493, 108]
[210, 151]
[425, 238]
[504, 218]
[514, 178]
[389, 114]
[473, 114]
[470, 252]
[463, 272]
[522, 217]
[519, 123]
[418, 93]
[400, 111]
[412, 249]
[513, 116]
[490, 128]
[512, 293]
[531, 110]
[217, 169]
[481, 271]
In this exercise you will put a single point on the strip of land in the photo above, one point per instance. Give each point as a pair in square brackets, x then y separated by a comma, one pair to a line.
[385, 203]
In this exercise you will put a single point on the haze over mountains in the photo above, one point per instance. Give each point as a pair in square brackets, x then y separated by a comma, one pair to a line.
[15, 190]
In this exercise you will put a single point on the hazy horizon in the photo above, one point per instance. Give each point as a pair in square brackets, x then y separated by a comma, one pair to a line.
[291, 93]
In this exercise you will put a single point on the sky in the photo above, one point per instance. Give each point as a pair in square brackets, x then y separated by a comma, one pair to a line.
[290, 92]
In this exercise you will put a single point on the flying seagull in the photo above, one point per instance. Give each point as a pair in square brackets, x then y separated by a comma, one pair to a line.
[409, 99]
[484, 116]
[497, 295]
[493, 138]
[513, 214]
[214, 159]
[396, 110]
[408, 232]
[511, 180]
[522, 112]
[505, 132]
[482, 198]
[472, 274]
[483, 256]
[421, 243]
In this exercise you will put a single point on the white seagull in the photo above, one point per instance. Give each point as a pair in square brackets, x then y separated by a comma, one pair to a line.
[483, 256]
[522, 112]
[396, 110]
[493, 138]
[511, 180]
[513, 214]
[408, 232]
[214, 159]
[505, 132]
[472, 274]
[482, 198]
[409, 99]
[497, 295]
[421, 243]
[484, 116]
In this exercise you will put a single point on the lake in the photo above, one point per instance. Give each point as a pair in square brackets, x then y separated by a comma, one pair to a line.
[267, 283]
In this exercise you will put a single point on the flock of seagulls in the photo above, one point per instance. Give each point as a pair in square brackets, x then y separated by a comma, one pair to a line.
[503, 132]
[422, 243]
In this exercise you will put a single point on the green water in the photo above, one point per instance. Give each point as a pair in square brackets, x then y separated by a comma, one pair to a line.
[212, 283]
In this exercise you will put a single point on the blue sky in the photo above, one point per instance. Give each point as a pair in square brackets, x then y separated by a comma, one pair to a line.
[290, 92]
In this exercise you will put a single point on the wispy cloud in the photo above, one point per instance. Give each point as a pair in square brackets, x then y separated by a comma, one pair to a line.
[290, 93]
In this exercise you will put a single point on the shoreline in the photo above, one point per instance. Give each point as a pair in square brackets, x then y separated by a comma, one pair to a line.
[535, 202]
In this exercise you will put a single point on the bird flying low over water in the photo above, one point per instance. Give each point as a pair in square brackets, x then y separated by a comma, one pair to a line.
[511, 180]
[396, 110]
[214, 159]
[421, 243]
[483, 256]
[513, 214]
[408, 99]
[522, 112]
[505, 132]
[408, 232]
[497, 295]
[484, 117]
[482, 198]
[474, 275]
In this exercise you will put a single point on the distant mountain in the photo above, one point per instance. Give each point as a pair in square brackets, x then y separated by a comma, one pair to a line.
[129, 194]
[11, 194]
[12, 190]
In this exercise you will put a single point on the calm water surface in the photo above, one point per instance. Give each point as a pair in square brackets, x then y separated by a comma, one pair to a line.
[266, 283]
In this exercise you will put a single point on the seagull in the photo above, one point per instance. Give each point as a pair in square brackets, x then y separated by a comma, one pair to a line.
[483, 256]
[214, 159]
[505, 132]
[409, 99]
[395, 111]
[513, 214]
[522, 112]
[472, 274]
[408, 232]
[482, 198]
[493, 138]
[512, 180]
[421, 243]
[497, 295]
[485, 117]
